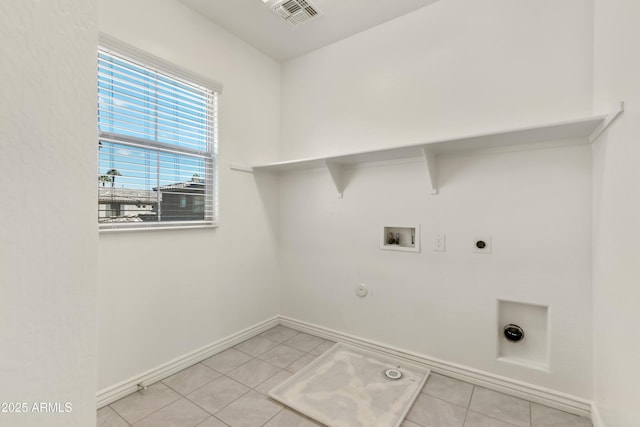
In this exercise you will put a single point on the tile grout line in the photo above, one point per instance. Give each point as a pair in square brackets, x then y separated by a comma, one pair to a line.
[275, 415]
[218, 419]
[494, 418]
[215, 419]
[221, 375]
[239, 397]
[285, 368]
[445, 400]
[498, 419]
[248, 354]
[214, 414]
[195, 389]
[146, 416]
[117, 414]
[243, 394]
[466, 414]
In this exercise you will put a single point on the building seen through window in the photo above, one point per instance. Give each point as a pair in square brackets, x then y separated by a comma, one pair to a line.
[156, 147]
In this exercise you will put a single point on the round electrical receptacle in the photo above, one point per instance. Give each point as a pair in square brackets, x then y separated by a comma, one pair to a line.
[361, 290]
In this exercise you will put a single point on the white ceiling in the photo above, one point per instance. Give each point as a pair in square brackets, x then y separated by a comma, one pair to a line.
[254, 22]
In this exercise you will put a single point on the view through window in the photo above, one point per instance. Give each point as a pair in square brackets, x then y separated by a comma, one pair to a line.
[156, 148]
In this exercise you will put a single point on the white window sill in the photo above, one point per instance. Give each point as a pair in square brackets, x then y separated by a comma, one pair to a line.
[155, 227]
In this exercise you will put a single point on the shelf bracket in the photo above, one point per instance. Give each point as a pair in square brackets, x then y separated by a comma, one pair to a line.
[335, 171]
[607, 122]
[240, 168]
[430, 163]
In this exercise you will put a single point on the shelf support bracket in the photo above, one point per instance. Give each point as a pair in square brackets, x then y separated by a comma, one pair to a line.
[335, 171]
[430, 163]
[607, 122]
[240, 168]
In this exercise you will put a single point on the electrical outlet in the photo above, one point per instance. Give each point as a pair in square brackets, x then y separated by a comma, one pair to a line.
[439, 243]
[482, 245]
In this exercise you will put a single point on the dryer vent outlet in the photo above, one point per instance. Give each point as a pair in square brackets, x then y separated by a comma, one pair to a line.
[513, 333]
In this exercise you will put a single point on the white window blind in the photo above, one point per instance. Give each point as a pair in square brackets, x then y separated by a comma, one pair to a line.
[157, 143]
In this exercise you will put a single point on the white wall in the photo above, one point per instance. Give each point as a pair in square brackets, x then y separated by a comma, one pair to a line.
[163, 294]
[617, 213]
[535, 205]
[452, 68]
[48, 237]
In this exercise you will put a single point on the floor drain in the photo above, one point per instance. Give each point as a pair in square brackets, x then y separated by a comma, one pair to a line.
[393, 374]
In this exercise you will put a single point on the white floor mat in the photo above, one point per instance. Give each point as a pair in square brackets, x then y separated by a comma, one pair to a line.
[347, 387]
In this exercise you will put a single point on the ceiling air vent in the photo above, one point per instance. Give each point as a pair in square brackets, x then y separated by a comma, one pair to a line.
[295, 11]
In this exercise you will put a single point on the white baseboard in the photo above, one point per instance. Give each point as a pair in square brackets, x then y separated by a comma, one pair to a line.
[543, 396]
[118, 391]
[554, 399]
[596, 418]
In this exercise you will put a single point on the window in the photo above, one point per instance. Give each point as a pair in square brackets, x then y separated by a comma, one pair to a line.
[157, 160]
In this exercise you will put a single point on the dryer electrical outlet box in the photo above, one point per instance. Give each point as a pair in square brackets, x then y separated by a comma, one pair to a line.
[482, 245]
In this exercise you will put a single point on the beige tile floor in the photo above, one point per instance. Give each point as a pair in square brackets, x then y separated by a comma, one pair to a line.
[230, 389]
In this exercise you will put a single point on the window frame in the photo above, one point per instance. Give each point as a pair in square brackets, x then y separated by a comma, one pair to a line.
[145, 60]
